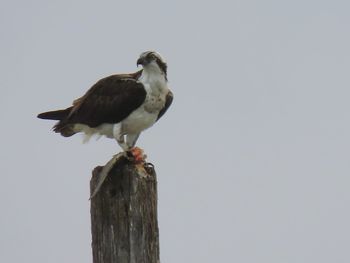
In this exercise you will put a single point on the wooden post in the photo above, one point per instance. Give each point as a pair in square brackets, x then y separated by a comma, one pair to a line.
[124, 223]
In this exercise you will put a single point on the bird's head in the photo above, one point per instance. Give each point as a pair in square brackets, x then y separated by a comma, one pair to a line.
[152, 60]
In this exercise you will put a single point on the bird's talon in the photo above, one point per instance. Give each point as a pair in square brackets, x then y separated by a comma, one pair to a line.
[149, 165]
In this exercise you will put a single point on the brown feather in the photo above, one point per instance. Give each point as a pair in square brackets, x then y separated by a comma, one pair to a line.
[110, 100]
[168, 100]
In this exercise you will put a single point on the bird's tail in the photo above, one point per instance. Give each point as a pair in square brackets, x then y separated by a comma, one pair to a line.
[63, 127]
[55, 115]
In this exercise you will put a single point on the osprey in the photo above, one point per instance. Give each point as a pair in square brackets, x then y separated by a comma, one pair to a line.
[119, 106]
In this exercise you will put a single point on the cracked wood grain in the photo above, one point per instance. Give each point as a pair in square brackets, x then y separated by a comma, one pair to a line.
[124, 223]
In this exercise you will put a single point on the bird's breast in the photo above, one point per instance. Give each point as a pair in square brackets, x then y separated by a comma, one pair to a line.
[155, 98]
[153, 104]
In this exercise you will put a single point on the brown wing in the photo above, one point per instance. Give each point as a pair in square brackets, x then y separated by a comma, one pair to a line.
[110, 100]
[168, 100]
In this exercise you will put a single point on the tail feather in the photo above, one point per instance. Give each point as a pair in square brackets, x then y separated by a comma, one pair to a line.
[55, 115]
[63, 127]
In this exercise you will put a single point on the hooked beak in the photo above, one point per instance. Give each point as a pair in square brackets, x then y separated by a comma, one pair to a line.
[140, 61]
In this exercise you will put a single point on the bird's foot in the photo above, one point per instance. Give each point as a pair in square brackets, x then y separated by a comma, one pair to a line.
[137, 155]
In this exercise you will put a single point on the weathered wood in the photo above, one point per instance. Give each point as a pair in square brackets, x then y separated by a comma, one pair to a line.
[124, 223]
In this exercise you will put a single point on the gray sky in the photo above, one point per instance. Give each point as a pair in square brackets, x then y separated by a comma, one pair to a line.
[252, 157]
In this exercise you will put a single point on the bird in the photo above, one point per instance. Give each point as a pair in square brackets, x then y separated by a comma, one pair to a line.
[119, 106]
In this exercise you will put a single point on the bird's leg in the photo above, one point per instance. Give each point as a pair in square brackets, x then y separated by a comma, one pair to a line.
[122, 143]
[131, 139]
[119, 136]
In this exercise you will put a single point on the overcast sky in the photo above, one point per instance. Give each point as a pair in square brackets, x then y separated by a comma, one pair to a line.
[253, 157]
